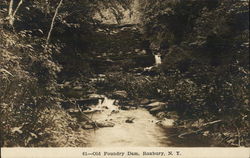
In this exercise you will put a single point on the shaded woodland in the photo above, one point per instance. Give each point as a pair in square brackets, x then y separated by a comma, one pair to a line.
[56, 53]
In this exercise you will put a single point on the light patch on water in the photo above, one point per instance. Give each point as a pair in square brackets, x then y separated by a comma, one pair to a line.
[142, 132]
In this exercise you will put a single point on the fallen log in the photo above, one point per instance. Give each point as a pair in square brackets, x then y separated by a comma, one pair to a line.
[199, 130]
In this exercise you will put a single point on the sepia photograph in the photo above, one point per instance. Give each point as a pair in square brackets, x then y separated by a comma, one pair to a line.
[124, 73]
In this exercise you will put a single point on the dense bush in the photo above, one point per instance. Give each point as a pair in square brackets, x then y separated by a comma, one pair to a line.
[27, 85]
[207, 44]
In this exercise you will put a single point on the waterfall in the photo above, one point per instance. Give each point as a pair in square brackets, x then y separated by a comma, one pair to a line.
[157, 59]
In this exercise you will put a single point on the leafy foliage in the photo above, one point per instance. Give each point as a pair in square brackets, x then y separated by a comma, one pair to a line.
[207, 44]
[204, 74]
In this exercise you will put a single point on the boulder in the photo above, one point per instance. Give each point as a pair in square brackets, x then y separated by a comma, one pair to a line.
[114, 112]
[72, 110]
[105, 124]
[123, 103]
[120, 94]
[133, 108]
[154, 104]
[72, 93]
[67, 104]
[166, 122]
[86, 102]
[144, 101]
[128, 103]
[124, 107]
[151, 71]
[88, 126]
[77, 88]
[157, 109]
[105, 107]
[95, 96]
[172, 115]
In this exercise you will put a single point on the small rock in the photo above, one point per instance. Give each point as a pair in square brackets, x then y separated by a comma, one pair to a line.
[198, 123]
[172, 115]
[95, 96]
[101, 75]
[131, 103]
[161, 114]
[144, 101]
[91, 111]
[116, 102]
[105, 107]
[133, 108]
[206, 133]
[125, 107]
[114, 111]
[66, 84]
[130, 120]
[77, 88]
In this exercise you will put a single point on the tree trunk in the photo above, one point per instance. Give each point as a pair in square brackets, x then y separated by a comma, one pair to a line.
[53, 22]
[10, 17]
[11, 13]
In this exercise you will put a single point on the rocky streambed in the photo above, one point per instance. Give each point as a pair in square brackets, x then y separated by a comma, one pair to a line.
[109, 124]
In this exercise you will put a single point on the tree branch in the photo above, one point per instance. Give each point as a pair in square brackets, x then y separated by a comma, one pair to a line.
[10, 7]
[53, 21]
[18, 6]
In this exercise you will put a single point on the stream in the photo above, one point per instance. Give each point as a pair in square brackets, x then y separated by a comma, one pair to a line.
[143, 131]
[157, 59]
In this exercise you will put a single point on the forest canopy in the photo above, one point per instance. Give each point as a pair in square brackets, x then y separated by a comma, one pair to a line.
[49, 48]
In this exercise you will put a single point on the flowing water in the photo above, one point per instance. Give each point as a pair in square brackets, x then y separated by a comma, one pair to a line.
[157, 59]
[142, 132]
